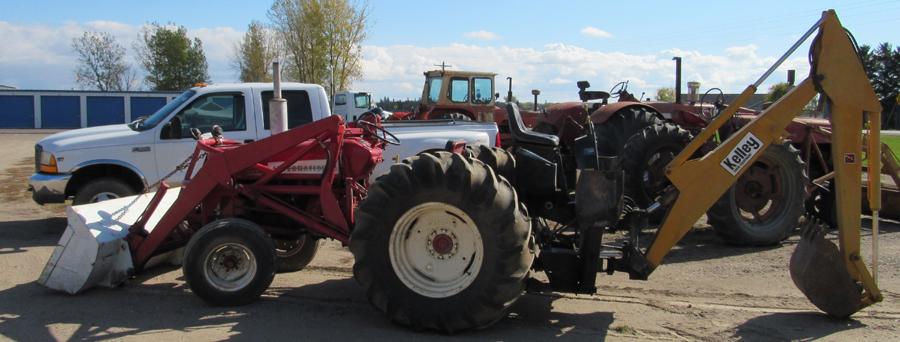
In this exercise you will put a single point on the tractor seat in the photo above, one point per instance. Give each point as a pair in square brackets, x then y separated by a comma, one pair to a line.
[525, 135]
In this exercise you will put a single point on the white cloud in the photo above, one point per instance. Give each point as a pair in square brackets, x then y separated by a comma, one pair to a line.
[555, 68]
[481, 35]
[591, 31]
[30, 51]
[40, 56]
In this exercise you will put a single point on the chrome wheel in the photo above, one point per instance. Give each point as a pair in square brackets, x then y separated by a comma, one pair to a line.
[104, 196]
[436, 250]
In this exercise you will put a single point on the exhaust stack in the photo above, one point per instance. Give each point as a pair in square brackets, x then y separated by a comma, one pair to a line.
[277, 105]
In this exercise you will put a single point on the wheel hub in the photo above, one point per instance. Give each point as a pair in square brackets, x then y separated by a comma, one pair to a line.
[443, 244]
[230, 267]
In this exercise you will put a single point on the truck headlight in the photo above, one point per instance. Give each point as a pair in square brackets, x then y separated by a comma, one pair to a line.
[47, 163]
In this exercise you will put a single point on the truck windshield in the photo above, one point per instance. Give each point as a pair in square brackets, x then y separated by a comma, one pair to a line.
[143, 124]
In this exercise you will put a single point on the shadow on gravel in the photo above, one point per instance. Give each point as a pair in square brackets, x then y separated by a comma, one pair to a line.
[334, 309]
[794, 326]
[17, 236]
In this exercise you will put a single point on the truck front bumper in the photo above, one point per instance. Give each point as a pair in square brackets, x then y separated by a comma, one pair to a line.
[48, 188]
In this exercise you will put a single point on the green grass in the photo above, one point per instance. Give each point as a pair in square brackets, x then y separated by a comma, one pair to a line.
[893, 142]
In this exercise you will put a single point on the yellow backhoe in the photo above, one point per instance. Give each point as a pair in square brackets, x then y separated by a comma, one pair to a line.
[449, 240]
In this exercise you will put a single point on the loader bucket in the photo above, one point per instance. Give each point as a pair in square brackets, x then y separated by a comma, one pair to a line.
[818, 270]
[92, 251]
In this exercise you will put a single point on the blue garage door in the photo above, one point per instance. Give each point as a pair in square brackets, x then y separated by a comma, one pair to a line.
[144, 106]
[105, 110]
[60, 112]
[16, 111]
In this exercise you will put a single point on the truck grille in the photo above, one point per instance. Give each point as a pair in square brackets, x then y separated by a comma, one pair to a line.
[37, 157]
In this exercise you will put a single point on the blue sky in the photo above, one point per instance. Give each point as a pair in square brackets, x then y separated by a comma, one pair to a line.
[541, 44]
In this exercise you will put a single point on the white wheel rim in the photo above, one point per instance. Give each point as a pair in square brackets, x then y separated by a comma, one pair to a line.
[104, 196]
[229, 267]
[436, 250]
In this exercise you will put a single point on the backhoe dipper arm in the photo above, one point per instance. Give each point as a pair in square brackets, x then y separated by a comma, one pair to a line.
[837, 73]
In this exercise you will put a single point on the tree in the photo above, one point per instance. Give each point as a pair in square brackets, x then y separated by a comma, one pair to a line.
[101, 63]
[883, 68]
[323, 38]
[665, 95]
[171, 59]
[777, 90]
[255, 53]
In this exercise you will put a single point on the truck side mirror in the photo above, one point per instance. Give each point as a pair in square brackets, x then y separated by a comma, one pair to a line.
[496, 96]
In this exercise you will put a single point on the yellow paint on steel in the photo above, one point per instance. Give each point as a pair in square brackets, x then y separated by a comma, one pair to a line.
[840, 75]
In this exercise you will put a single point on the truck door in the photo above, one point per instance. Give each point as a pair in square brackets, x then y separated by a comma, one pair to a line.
[228, 110]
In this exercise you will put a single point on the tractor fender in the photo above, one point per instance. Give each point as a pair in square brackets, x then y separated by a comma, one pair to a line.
[603, 114]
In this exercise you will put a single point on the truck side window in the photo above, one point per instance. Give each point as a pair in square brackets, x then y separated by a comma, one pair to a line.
[340, 99]
[483, 90]
[299, 109]
[434, 89]
[223, 109]
[459, 90]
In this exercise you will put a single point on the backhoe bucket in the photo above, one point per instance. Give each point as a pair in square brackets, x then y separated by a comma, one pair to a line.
[819, 271]
[93, 251]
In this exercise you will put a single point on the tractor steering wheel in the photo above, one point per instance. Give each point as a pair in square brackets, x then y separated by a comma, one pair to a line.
[374, 129]
[618, 89]
[370, 121]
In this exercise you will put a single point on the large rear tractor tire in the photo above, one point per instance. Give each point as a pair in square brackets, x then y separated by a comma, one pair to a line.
[229, 262]
[441, 243]
[765, 204]
[645, 158]
[614, 133]
[498, 159]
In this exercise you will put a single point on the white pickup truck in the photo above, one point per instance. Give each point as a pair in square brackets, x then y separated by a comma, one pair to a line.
[99, 163]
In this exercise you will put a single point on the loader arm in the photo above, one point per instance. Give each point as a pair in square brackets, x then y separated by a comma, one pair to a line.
[836, 72]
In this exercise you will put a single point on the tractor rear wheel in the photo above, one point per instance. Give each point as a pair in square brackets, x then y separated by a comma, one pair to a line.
[645, 158]
[614, 133]
[498, 159]
[441, 243]
[765, 204]
[294, 255]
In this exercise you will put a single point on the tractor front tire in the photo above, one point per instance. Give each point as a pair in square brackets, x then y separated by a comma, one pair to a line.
[229, 262]
[765, 204]
[441, 244]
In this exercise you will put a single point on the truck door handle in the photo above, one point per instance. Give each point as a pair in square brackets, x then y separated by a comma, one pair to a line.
[140, 149]
[248, 141]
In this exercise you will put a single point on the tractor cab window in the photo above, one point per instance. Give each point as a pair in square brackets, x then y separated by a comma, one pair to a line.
[434, 89]
[361, 100]
[224, 110]
[459, 90]
[483, 90]
[340, 100]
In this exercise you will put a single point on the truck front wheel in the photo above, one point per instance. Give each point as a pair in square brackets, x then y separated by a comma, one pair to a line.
[102, 189]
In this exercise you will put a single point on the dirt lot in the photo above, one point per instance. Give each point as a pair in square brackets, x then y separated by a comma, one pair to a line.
[705, 291]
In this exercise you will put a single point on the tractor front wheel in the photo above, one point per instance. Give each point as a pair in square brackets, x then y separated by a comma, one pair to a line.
[440, 243]
[229, 262]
